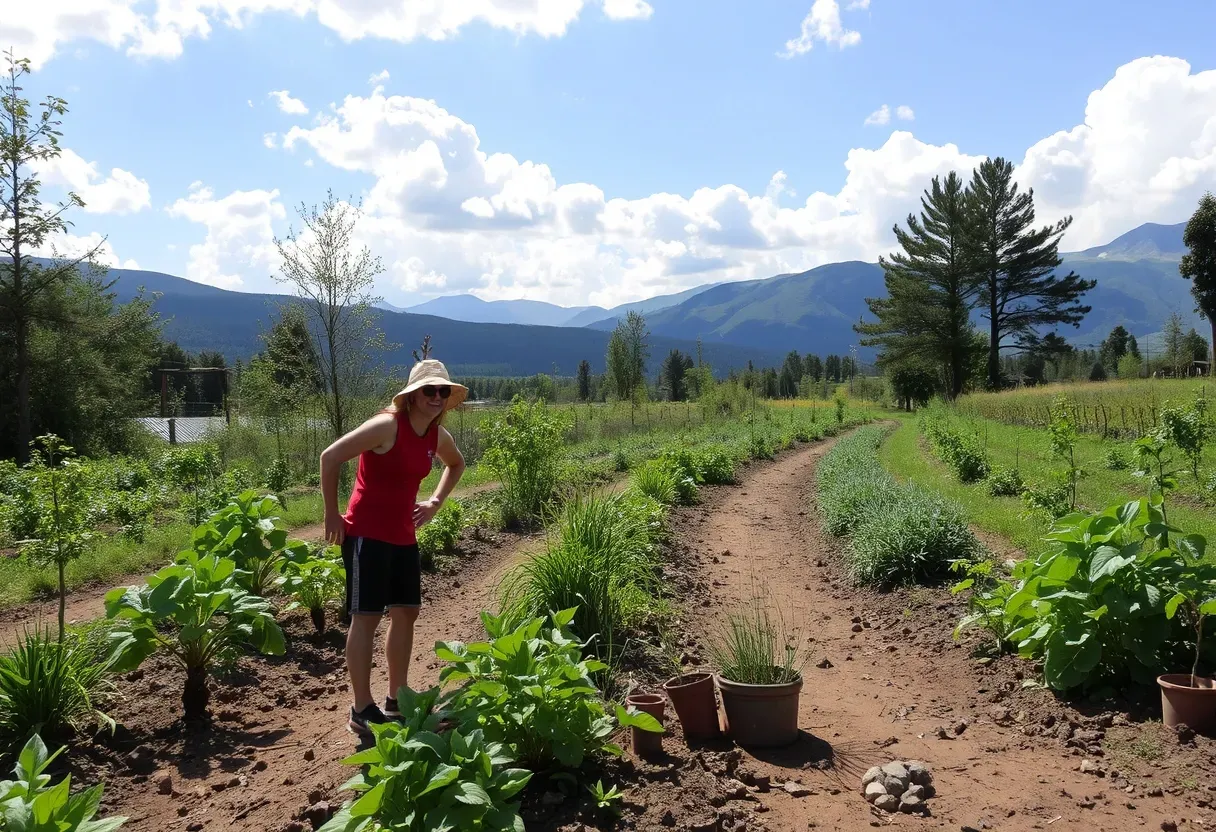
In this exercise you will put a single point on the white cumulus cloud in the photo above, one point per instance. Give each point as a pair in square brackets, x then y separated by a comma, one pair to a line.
[449, 215]
[121, 192]
[823, 24]
[240, 236]
[287, 104]
[627, 9]
[160, 28]
[880, 116]
[905, 113]
[379, 78]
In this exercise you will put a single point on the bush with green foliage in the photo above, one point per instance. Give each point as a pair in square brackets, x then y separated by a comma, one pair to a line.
[29, 803]
[1188, 429]
[314, 584]
[418, 779]
[1098, 605]
[248, 530]
[524, 447]
[986, 603]
[278, 475]
[960, 450]
[194, 469]
[19, 510]
[899, 533]
[1053, 498]
[53, 687]
[438, 538]
[198, 612]
[1005, 482]
[1116, 459]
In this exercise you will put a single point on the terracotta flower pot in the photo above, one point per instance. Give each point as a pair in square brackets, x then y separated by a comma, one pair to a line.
[646, 743]
[761, 715]
[1193, 706]
[692, 695]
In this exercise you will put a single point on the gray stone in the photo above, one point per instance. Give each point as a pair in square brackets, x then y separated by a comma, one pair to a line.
[318, 814]
[874, 791]
[896, 769]
[911, 805]
[888, 803]
[894, 785]
[919, 773]
[735, 790]
[914, 791]
[1091, 767]
[870, 776]
[796, 789]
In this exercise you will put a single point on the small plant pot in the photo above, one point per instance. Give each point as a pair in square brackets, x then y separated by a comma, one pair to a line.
[692, 696]
[646, 743]
[761, 715]
[1193, 706]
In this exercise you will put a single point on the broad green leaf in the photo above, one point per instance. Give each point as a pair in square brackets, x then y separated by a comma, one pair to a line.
[1072, 653]
[369, 803]
[1107, 561]
[472, 794]
[442, 777]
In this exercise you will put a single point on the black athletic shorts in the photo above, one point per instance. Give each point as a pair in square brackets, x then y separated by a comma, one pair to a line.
[380, 575]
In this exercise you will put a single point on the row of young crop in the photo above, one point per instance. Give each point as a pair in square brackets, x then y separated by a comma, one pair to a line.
[1123, 409]
[1115, 596]
[211, 604]
[1173, 448]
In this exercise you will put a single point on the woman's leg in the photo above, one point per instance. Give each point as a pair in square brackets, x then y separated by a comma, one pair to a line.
[399, 646]
[359, 641]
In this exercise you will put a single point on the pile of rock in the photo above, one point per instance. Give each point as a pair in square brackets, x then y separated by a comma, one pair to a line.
[899, 787]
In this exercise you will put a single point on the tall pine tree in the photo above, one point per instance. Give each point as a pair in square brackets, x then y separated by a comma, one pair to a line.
[1020, 291]
[1199, 264]
[584, 380]
[931, 288]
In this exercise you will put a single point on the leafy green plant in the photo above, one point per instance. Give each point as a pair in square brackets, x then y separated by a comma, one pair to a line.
[1005, 482]
[314, 584]
[756, 648]
[416, 779]
[62, 531]
[685, 473]
[524, 447]
[1062, 431]
[530, 688]
[1188, 429]
[193, 468]
[197, 611]
[989, 593]
[717, 465]
[439, 537]
[51, 687]
[20, 507]
[840, 403]
[28, 803]
[248, 531]
[609, 799]
[1194, 591]
[1093, 605]
[278, 475]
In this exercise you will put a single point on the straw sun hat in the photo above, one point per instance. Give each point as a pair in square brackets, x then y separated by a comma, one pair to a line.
[431, 372]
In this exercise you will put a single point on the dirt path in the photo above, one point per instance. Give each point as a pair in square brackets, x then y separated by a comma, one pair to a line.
[892, 677]
[280, 724]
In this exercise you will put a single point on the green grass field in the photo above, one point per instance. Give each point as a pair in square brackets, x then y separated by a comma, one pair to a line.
[907, 456]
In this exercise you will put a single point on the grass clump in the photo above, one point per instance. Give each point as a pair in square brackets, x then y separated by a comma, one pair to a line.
[600, 558]
[1005, 482]
[899, 533]
[52, 687]
[756, 648]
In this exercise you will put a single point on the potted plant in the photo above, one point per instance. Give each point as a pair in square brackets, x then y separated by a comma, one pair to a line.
[696, 705]
[760, 676]
[1190, 699]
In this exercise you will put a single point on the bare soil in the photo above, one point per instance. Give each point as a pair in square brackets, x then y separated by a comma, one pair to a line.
[872, 694]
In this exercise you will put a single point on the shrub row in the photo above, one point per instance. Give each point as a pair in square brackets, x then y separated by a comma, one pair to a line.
[898, 533]
[960, 450]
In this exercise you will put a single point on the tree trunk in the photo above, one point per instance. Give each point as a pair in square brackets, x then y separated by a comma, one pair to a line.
[994, 350]
[62, 600]
[195, 696]
[24, 431]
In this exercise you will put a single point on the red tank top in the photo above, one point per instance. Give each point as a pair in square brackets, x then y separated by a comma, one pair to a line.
[386, 486]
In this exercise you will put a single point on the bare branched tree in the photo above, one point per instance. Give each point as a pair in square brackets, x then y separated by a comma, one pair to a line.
[335, 282]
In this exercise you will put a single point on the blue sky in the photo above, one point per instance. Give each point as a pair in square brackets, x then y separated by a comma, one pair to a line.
[599, 110]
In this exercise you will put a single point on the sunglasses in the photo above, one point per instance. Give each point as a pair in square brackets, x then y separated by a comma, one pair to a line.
[431, 391]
